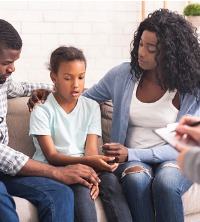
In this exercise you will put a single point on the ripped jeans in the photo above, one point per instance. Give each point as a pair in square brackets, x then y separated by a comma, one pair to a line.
[153, 191]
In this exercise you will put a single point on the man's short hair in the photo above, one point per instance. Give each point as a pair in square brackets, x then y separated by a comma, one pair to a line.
[9, 37]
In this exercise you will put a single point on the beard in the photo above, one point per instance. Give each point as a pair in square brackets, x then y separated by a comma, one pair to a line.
[4, 77]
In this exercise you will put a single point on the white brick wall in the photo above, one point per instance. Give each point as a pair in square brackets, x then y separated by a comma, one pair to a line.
[103, 29]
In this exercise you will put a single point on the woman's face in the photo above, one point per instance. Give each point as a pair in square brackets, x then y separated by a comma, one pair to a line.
[147, 50]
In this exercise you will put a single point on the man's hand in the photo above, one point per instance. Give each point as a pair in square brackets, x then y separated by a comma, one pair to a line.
[117, 150]
[77, 173]
[38, 95]
[101, 163]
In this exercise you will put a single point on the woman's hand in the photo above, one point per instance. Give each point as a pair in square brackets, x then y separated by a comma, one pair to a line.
[117, 150]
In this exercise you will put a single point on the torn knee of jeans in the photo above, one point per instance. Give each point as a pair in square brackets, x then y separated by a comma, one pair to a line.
[135, 169]
[171, 165]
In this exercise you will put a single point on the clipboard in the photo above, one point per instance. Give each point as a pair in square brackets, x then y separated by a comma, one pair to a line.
[169, 135]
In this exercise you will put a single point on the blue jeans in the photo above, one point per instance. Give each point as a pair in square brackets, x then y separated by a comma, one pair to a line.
[7, 206]
[112, 197]
[154, 191]
[54, 200]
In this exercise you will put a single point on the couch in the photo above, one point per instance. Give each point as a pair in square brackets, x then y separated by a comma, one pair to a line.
[18, 127]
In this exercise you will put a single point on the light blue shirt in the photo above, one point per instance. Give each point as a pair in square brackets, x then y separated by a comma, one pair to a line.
[68, 131]
[117, 85]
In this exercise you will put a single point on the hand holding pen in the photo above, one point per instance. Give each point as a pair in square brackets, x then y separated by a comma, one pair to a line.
[190, 126]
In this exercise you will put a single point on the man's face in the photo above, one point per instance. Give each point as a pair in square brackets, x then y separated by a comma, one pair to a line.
[7, 59]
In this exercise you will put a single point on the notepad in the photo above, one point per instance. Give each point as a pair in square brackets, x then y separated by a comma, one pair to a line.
[168, 134]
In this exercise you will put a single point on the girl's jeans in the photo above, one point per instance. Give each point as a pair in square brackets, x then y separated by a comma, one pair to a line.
[112, 197]
[154, 191]
[54, 200]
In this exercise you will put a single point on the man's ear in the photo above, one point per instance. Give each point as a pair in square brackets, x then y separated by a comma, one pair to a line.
[53, 77]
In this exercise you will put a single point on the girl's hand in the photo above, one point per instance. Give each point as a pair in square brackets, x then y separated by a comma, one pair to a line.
[101, 163]
[94, 191]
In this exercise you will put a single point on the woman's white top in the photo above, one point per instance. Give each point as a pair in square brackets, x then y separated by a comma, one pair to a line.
[145, 117]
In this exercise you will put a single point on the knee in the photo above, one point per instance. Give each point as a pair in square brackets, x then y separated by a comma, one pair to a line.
[3, 189]
[64, 193]
[136, 173]
[108, 178]
[110, 183]
[167, 178]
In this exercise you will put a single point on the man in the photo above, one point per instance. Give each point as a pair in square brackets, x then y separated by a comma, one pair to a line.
[54, 200]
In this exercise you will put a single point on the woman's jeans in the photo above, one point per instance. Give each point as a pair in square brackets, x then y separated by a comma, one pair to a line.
[153, 191]
[54, 200]
[112, 197]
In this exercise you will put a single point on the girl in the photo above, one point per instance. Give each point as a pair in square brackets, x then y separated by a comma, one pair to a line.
[65, 130]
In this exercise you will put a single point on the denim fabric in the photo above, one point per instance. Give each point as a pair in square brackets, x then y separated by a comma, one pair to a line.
[154, 193]
[112, 197]
[7, 206]
[54, 200]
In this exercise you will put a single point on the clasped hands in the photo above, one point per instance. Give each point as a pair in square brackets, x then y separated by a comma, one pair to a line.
[116, 150]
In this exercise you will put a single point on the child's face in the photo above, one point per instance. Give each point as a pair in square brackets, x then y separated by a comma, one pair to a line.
[70, 80]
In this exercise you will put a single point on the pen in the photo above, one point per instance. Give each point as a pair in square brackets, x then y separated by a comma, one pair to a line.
[194, 123]
[172, 126]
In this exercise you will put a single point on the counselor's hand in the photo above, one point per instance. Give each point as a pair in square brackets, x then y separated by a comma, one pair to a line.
[116, 150]
[77, 173]
[193, 133]
[180, 158]
[38, 95]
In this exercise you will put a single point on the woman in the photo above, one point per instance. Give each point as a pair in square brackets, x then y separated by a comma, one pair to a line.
[158, 86]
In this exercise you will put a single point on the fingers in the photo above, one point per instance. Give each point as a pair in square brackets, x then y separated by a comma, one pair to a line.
[89, 174]
[114, 167]
[188, 119]
[83, 174]
[94, 192]
[181, 148]
[111, 149]
[109, 167]
[45, 94]
[108, 158]
[192, 132]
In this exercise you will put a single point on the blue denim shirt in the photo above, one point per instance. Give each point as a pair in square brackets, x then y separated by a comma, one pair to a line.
[117, 85]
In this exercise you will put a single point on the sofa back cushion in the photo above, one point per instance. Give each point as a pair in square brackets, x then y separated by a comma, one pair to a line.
[18, 126]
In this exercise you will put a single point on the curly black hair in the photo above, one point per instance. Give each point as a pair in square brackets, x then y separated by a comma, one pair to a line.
[178, 48]
[64, 54]
[9, 37]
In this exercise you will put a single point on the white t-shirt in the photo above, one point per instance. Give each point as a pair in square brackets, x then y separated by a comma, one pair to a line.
[68, 131]
[145, 117]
